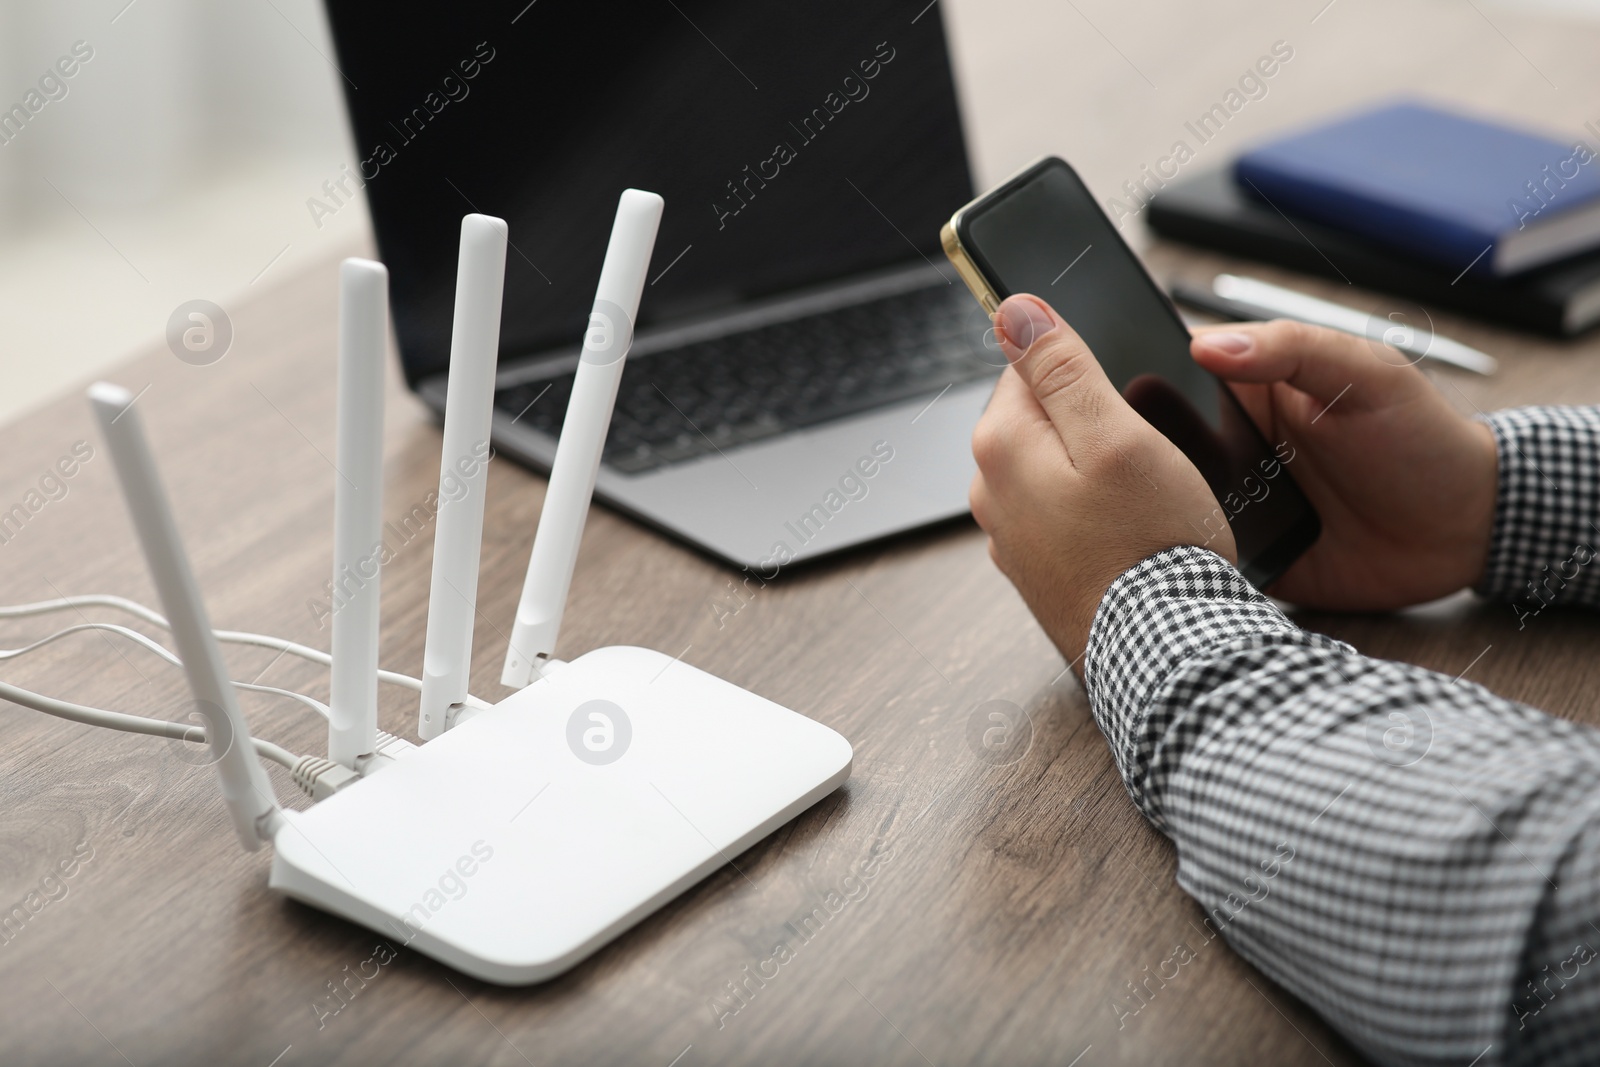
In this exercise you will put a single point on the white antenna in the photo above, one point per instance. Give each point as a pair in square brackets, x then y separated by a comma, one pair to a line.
[583, 435]
[469, 408]
[249, 794]
[358, 510]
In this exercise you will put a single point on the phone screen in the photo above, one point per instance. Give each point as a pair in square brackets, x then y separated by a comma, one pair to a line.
[1043, 233]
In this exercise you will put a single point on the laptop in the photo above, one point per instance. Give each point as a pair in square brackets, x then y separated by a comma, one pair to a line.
[806, 369]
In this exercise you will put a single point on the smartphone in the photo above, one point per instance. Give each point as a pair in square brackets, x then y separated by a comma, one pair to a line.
[1043, 233]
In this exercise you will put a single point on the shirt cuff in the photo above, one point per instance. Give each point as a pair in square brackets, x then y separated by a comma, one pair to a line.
[1542, 546]
[1181, 604]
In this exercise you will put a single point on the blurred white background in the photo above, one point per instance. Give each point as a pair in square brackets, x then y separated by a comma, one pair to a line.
[179, 163]
[176, 166]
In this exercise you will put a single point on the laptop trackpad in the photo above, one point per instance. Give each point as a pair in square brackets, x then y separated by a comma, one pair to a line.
[821, 489]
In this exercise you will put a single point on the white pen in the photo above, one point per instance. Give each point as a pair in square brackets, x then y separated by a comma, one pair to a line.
[1275, 302]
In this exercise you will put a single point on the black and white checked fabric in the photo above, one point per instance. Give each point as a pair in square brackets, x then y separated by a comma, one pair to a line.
[1414, 857]
[1547, 517]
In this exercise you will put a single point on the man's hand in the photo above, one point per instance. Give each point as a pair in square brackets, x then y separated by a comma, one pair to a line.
[1073, 486]
[1405, 484]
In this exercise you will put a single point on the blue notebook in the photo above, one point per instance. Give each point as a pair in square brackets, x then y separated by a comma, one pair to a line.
[1438, 186]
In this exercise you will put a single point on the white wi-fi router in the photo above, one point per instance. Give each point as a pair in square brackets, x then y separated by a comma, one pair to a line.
[522, 836]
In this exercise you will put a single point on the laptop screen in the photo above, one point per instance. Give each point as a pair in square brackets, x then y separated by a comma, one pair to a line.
[795, 144]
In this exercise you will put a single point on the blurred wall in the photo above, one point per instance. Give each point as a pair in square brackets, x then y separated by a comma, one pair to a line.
[174, 163]
[176, 90]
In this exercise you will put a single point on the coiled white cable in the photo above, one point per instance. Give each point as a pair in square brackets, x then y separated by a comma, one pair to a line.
[155, 618]
[144, 642]
[317, 776]
[236, 637]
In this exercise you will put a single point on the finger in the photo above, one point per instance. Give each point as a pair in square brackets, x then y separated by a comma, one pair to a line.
[1321, 362]
[1013, 428]
[980, 503]
[1258, 403]
[1013, 396]
[1059, 370]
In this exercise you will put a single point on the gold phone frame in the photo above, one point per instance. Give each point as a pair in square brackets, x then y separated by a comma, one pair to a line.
[956, 252]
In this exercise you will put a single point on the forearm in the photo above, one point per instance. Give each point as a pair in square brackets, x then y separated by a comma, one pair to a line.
[1381, 840]
[1547, 515]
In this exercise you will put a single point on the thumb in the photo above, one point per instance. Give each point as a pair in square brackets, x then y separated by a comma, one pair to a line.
[1321, 362]
[1058, 367]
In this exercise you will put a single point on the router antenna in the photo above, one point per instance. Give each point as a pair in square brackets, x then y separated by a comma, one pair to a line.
[245, 786]
[358, 510]
[463, 470]
[583, 435]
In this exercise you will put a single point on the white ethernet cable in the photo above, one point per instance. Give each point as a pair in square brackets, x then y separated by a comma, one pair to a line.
[155, 618]
[234, 637]
[318, 777]
[160, 650]
[136, 724]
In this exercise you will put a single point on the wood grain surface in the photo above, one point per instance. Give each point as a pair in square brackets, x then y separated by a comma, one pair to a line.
[954, 910]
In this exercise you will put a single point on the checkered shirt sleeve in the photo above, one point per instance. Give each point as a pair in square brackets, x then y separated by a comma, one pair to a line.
[1547, 517]
[1412, 856]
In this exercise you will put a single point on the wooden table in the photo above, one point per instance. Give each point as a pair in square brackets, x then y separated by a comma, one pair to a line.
[1009, 906]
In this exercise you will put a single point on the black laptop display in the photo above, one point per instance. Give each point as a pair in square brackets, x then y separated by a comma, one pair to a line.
[808, 154]
[772, 130]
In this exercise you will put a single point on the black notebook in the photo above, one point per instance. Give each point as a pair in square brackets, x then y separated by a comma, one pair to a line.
[1210, 210]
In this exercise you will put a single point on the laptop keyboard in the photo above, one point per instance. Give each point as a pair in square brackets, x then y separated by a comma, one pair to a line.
[716, 394]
